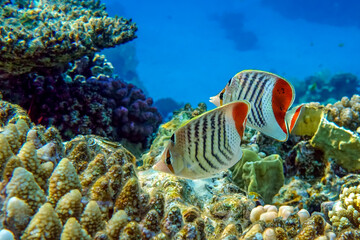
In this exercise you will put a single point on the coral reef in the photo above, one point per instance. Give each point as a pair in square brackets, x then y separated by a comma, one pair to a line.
[86, 100]
[344, 146]
[325, 88]
[92, 188]
[49, 34]
[345, 113]
[261, 175]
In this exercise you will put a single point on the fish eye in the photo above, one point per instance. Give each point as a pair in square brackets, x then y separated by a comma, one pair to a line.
[168, 158]
[168, 161]
[221, 95]
[173, 138]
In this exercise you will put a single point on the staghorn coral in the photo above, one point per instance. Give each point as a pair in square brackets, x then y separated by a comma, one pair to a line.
[52, 33]
[17, 216]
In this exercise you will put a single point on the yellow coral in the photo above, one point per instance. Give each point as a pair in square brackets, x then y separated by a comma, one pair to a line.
[44, 225]
[73, 231]
[69, 206]
[63, 179]
[23, 186]
[91, 218]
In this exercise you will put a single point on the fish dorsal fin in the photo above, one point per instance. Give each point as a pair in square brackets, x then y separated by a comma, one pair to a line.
[292, 116]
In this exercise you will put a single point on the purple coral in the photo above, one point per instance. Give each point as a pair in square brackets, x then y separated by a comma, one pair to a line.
[103, 106]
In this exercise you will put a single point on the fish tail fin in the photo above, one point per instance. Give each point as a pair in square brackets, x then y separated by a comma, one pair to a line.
[292, 116]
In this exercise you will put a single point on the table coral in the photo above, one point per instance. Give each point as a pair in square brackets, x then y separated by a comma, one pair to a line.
[53, 33]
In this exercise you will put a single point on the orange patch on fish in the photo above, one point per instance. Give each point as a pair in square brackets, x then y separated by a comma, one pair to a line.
[282, 99]
[240, 112]
[295, 118]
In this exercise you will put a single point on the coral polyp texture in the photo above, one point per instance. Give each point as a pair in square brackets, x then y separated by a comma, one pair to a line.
[93, 188]
[50, 33]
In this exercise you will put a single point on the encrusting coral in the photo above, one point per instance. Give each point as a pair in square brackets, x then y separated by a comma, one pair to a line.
[52, 33]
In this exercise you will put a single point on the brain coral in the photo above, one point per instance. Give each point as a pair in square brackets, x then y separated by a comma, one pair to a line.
[50, 33]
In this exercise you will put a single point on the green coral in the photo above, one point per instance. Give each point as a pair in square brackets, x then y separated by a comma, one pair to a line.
[339, 144]
[264, 176]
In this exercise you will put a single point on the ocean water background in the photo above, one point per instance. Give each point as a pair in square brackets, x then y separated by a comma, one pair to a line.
[188, 50]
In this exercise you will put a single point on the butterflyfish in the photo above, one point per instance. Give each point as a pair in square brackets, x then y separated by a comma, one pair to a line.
[206, 144]
[270, 97]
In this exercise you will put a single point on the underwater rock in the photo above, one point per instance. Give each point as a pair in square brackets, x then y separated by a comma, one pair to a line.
[305, 162]
[263, 176]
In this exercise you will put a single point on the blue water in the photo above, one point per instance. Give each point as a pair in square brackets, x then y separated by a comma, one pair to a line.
[188, 50]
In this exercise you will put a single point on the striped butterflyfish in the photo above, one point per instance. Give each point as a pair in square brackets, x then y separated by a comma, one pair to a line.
[206, 144]
[270, 97]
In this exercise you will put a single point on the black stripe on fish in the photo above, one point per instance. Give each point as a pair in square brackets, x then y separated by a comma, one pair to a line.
[221, 135]
[255, 88]
[243, 81]
[258, 101]
[197, 160]
[205, 128]
[225, 142]
[212, 142]
[248, 85]
[188, 134]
